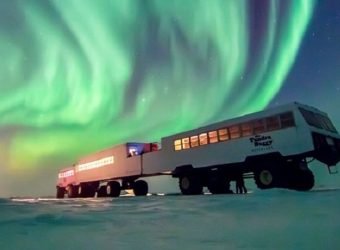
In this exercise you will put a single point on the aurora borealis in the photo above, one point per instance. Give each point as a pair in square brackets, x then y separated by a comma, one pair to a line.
[78, 76]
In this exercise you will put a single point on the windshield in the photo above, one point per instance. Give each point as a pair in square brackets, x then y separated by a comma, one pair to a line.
[318, 120]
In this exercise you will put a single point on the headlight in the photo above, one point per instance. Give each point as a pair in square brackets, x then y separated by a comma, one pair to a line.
[330, 141]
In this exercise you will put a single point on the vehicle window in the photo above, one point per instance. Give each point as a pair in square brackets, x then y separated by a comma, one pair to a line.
[329, 124]
[203, 138]
[259, 126]
[287, 120]
[213, 137]
[178, 144]
[246, 129]
[223, 134]
[272, 123]
[325, 122]
[185, 143]
[310, 118]
[194, 141]
[234, 132]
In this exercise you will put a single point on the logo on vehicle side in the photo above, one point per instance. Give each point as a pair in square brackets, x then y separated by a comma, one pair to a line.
[261, 142]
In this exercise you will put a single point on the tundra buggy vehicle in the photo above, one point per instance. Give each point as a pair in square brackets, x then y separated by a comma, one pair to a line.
[273, 146]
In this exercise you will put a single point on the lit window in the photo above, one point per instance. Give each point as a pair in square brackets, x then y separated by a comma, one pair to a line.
[287, 120]
[203, 139]
[272, 123]
[246, 129]
[178, 145]
[234, 132]
[259, 126]
[194, 141]
[223, 134]
[213, 137]
[185, 143]
[133, 152]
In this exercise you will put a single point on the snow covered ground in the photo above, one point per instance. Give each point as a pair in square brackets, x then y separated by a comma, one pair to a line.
[273, 219]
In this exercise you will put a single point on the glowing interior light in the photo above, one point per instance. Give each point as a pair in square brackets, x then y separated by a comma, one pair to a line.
[66, 174]
[96, 164]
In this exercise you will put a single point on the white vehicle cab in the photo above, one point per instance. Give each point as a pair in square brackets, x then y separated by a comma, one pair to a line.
[273, 145]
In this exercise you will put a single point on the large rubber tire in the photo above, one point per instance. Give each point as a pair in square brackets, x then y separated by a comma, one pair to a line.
[113, 189]
[302, 180]
[101, 192]
[140, 188]
[91, 191]
[60, 192]
[86, 190]
[72, 191]
[190, 185]
[219, 185]
[265, 178]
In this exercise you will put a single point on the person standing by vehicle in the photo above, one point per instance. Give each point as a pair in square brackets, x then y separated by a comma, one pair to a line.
[240, 186]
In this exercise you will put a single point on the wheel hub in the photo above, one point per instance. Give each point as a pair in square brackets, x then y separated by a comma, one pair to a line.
[266, 177]
[185, 183]
[108, 189]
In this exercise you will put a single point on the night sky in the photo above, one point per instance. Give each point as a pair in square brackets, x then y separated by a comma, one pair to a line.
[79, 76]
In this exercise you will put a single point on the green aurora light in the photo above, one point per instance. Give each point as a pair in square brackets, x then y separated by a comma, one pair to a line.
[77, 76]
